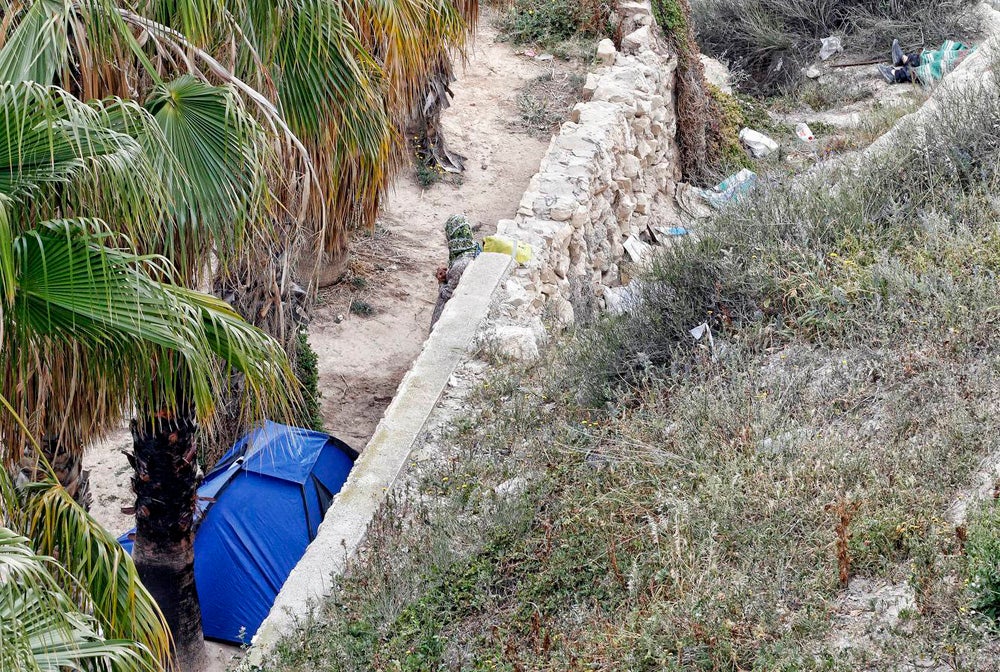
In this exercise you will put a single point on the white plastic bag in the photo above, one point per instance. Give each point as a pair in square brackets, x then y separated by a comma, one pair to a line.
[759, 144]
[831, 46]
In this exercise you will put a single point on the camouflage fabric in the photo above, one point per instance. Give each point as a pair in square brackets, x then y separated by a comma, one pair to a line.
[460, 240]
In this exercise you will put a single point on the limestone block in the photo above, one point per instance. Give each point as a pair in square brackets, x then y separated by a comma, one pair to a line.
[526, 206]
[562, 265]
[641, 126]
[577, 246]
[511, 342]
[564, 288]
[614, 92]
[642, 203]
[625, 207]
[560, 211]
[606, 52]
[617, 251]
[643, 149]
[589, 87]
[563, 315]
[630, 166]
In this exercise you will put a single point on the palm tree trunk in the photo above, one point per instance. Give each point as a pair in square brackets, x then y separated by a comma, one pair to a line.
[66, 460]
[166, 483]
[432, 149]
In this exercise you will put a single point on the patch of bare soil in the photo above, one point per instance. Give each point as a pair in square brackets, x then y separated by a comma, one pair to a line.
[506, 105]
[369, 328]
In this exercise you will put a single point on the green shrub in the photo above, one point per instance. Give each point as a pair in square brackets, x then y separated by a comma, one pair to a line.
[307, 371]
[983, 560]
[549, 22]
[771, 40]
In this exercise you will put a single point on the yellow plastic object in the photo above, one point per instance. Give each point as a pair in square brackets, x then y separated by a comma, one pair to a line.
[505, 245]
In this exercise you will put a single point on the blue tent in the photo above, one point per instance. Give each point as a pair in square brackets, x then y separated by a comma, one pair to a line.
[258, 510]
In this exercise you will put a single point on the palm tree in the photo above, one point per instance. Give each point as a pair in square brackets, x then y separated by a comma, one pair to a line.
[88, 326]
[87, 610]
[43, 628]
[332, 86]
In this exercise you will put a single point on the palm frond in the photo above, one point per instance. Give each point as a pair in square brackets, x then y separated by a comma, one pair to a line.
[38, 47]
[103, 573]
[215, 164]
[43, 629]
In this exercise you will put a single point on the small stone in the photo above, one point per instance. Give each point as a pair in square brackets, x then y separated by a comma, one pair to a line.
[544, 57]
[563, 314]
[512, 487]
[512, 343]
[631, 166]
[606, 52]
[717, 74]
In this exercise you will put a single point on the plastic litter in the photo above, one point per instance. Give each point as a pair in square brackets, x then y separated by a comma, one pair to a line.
[506, 245]
[759, 144]
[636, 248]
[803, 131]
[831, 46]
[730, 189]
[673, 231]
[700, 332]
[692, 201]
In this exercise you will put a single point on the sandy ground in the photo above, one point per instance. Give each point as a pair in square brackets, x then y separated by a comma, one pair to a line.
[363, 359]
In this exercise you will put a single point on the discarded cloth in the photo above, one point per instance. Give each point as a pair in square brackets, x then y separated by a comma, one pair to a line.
[505, 245]
[730, 189]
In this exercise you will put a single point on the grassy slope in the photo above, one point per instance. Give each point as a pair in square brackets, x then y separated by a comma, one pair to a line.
[684, 513]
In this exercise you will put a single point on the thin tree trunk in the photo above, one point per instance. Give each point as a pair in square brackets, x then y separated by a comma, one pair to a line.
[165, 460]
[432, 149]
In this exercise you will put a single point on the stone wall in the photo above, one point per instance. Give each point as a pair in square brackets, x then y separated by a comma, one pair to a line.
[604, 187]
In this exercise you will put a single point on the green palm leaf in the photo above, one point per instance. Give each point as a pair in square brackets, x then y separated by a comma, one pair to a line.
[41, 627]
[215, 163]
[39, 45]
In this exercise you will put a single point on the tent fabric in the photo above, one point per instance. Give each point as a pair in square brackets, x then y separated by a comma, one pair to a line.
[258, 510]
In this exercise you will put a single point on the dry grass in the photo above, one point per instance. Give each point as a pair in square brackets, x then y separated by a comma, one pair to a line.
[770, 40]
[663, 505]
[546, 101]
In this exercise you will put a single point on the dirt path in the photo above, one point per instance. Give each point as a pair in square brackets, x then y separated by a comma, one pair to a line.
[363, 359]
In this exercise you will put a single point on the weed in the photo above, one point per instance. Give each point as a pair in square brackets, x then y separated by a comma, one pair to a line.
[428, 176]
[549, 22]
[844, 512]
[982, 550]
[545, 102]
[307, 371]
[362, 308]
